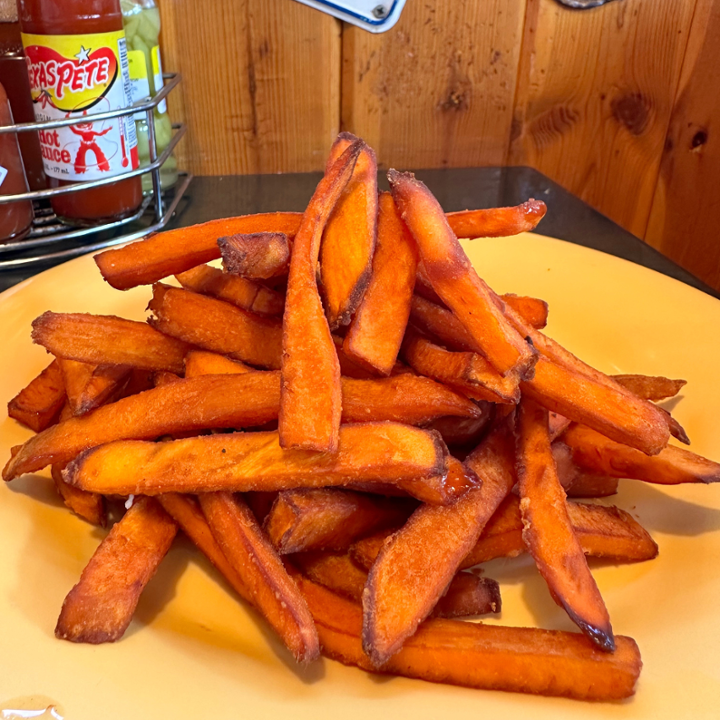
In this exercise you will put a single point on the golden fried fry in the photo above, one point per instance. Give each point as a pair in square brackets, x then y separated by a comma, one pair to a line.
[671, 466]
[89, 506]
[348, 242]
[272, 590]
[413, 459]
[415, 566]
[99, 339]
[599, 405]
[455, 280]
[497, 222]
[261, 256]
[216, 326]
[650, 387]
[548, 531]
[376, 333]
[310, 398]
[329, 518]
[39, 403]
[238, 291]
[100, 607]
[202, 362]
[174, 251]
[543, 662]
[468, 372]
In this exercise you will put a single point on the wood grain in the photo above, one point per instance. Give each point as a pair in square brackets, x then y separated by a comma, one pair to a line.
[594, 97]
[683, 223]
[437, 89]
[261, 84]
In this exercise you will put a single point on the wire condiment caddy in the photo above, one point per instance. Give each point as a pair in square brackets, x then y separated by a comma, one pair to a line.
[50, 241]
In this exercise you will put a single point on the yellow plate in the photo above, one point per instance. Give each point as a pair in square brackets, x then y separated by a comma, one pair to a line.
[194, 652]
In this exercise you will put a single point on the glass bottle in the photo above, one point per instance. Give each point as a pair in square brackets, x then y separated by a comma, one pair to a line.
[77, 64]
[15, 217]
[13, 72]
[142, 31]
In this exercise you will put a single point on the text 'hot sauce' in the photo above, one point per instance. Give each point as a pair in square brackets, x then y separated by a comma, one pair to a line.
[77, 66]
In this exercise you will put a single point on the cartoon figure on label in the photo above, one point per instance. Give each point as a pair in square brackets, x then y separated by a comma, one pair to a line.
[88, 144]
[95, 151]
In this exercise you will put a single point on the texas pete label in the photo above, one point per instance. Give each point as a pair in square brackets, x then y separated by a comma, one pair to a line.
[77, 76]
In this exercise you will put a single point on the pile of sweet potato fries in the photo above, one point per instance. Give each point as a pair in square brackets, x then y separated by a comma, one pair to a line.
[292, 415]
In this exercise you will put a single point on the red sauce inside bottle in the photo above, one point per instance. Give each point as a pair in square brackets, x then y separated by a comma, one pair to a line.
[15, 217]
[83, 17]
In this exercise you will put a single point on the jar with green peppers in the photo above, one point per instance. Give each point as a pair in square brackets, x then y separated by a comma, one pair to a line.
[141, 20]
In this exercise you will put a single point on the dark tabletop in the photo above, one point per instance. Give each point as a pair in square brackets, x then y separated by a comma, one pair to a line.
[568, 217]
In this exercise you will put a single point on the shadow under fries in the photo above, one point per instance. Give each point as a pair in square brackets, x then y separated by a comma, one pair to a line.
[187, 554]
[660, 510]
[39, 488]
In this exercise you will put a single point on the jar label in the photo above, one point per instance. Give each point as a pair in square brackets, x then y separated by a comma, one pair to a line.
[139, 81]
[75, 76]
[158, 75]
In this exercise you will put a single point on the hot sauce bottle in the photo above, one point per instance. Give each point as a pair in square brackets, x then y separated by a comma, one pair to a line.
[77, 65]
[15, 217]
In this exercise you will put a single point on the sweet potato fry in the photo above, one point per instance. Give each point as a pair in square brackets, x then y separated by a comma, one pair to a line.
[646, 425]
[39, 403]
[101, 339]
[543, 662]
[238, 291]
[416, 565]
[466, 595]
[273, 591]
[186, 512]
[195, 404]
[468, 372]
[454, 279]
[175, 251]
[202, 362]
[216, 402]
[671, 466]
[310, 398]
[374, 452]
[603, 532]
[88, 505]
[329, 518]
[598, 405]
[591, 485]
[333, 570]
[405, 398]
[377, 330]
[650, 387]
[533, 310]
[439, 322]
[497, 222]
[462, 432]
[548, 531]
[216, 326]
[89, 386]
[348, 241]
[261, 256]
[100, 607]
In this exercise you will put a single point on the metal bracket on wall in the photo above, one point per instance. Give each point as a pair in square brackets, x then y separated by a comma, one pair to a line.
[375, 16]
[583, 4]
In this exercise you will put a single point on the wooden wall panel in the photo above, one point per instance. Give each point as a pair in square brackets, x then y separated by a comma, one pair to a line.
[684, 219]
[261, 84]
[595, 93]
[437, 89]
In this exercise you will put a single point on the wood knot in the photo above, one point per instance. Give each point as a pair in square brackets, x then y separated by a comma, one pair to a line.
[456, 100]
[633, 111]
[698, 140]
